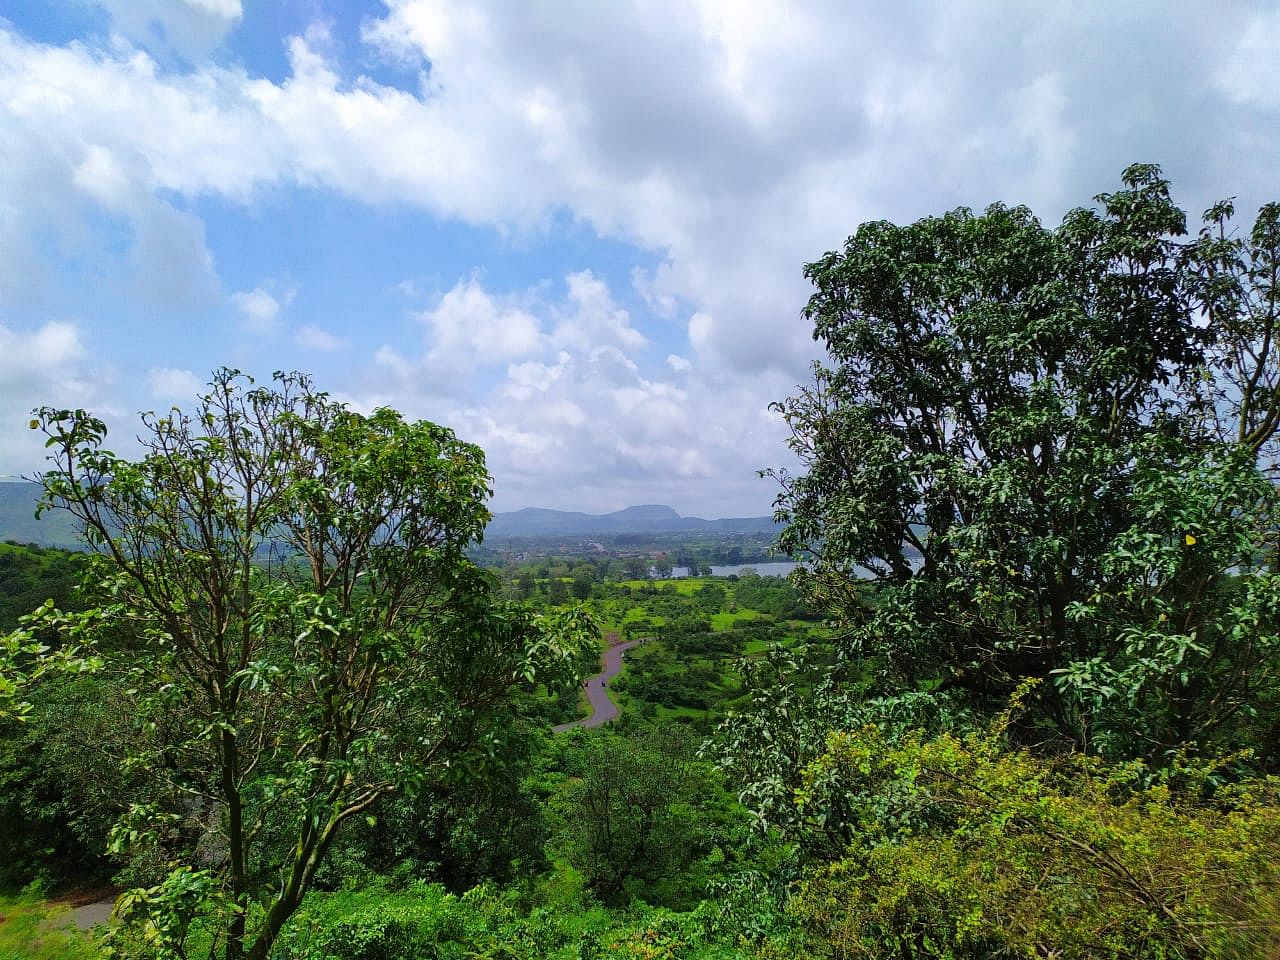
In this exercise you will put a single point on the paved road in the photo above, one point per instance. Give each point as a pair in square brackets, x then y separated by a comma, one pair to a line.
[603, 709]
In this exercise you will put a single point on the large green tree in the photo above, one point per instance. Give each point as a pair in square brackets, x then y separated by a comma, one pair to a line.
[639, 814]
[305, 634]
[1050, 449]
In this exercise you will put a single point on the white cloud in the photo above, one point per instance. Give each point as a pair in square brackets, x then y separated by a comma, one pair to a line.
[179, 387]
[591, 431]
[311, 337]
[468, 325]
[650, 288]
[191, 28]
[1251, 74]
[260, 309]
[756, 145]
[731, 141]
[46, 365]
[580, 424]
[26, 358]
[591, 316]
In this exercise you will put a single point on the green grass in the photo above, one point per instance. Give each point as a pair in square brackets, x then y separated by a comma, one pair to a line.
[688, 586]
[32, 929]
[639, 613]
[670, 713]
[725, 621]
[684, 586]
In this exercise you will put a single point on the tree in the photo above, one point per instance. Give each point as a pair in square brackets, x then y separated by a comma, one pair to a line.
[634, 810]
[1048, 449]
[25, 659]
[307, 633]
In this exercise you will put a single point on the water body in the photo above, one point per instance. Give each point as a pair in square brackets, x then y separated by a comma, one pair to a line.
[774, 568]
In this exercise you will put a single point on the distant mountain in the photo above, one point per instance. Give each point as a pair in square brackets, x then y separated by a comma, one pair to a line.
[649, 518]
[18, 521]
[56, 529]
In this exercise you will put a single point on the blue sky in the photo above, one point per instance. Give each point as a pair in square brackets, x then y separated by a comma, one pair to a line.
[575, 232]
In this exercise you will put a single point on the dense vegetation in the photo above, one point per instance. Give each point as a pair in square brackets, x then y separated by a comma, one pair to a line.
[1023, 701]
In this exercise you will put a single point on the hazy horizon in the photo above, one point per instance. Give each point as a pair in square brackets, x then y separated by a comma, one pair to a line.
[575, 234]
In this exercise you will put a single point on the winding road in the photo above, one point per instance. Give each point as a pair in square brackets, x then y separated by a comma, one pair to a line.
[603, 709]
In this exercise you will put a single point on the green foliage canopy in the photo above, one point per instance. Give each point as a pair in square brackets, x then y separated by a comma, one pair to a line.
[959, 846]
[1049, 447]
[308, 635]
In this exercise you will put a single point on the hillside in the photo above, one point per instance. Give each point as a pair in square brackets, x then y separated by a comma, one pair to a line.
[647, 518]
[18, 522]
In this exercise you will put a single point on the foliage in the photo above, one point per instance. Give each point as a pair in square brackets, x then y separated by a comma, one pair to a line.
[963, 847]
[30, 575]
[486, 827]
[556, 921]
[1044, 445]
[25, 658]
[307, 635]
[641, 816]
[62, 783]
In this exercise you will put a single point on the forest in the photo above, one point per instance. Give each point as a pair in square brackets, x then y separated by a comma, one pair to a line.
[1021, 698]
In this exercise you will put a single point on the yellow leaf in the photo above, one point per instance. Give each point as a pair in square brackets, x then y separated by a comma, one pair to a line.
[1191, 541]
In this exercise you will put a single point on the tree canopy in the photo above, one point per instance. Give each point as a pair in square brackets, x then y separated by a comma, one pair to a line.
[1051, 448]
[293, 615]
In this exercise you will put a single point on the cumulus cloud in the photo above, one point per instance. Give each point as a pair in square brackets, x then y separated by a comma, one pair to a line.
[731, 142]
[575, 418]
[259, 308]
[591, 431]
[1251, 74]
[756, 146]
[470, 325]
[311, 337]
[190, 28]
[176, 386]
[592, 317]
[45, 365]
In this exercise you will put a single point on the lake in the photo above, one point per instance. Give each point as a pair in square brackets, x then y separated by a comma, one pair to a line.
[774, 568]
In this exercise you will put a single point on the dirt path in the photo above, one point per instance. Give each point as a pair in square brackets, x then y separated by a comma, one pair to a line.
[90, 905]
[603, 709]
[93, 914]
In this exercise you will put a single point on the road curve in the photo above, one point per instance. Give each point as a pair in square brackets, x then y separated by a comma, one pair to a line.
[603, 709]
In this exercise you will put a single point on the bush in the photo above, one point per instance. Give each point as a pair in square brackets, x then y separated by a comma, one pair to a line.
[964, 848]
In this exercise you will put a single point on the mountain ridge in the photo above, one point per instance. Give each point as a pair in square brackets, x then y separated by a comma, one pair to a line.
[18, 500]
[642, 518]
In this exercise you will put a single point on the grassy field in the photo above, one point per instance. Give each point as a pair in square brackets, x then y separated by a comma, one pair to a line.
[726, 619]
[703, 629]
[33, 929]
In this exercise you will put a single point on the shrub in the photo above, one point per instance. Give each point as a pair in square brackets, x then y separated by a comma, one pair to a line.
[961, 847]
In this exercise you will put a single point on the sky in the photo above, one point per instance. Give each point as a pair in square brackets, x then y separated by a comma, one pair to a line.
[573, 231]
